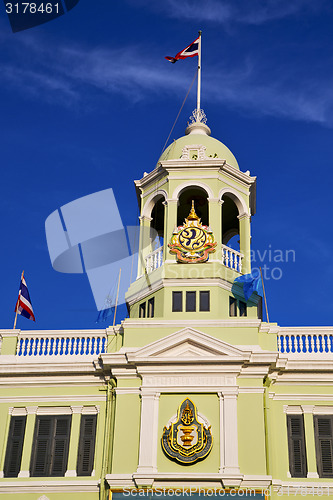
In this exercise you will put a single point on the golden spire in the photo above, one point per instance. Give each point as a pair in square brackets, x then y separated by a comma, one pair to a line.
[192, 215]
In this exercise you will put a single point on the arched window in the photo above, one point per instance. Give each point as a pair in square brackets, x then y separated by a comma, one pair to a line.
[157, 224]
[200, 198]
[230, 223]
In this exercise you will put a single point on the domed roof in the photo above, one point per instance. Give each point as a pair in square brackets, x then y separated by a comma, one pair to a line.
[199, 133]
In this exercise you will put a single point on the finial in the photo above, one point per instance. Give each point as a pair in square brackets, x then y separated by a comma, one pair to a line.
[197, 123]
[192, 215]
[198, 116]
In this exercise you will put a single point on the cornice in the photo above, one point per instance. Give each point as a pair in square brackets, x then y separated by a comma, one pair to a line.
[39, 487]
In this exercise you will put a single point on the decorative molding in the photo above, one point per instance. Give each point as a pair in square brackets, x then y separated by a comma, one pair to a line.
[51, 399]
[62, 486]
[70, 473]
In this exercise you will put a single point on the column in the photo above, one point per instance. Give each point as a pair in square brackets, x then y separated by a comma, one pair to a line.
[170, 222]
[148, 432]
[144, 243]
[230, 434]
[74, 441]
[245, 241]
[28, 441]
[5, 439]
[222, 462]
[215, 223]
[310, 441]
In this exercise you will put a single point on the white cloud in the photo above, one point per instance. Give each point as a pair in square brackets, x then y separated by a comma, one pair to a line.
[66, 75]
[239, 11]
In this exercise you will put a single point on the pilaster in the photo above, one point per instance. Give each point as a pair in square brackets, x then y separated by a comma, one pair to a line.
[28, 440]
[74, 441]
[245, 241]
[215, 220]
[230, 434]
[144, 243]
[148, 432]
[310, 441]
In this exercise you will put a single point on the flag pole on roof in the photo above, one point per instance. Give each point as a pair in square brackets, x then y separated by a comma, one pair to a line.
[199, 75]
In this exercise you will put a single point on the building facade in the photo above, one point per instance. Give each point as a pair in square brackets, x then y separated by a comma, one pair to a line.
[192, 394]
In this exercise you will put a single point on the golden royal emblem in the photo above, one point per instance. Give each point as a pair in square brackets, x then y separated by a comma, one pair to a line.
[193, 241]
[187, 440]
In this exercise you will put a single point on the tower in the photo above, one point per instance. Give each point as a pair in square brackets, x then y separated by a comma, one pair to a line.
[194, 170]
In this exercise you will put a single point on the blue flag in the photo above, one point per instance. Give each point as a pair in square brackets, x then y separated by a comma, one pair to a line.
[104, 314]
[251, 283]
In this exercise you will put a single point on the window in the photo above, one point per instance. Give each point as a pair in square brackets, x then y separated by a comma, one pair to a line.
[204, 301]
[232, 306]
[324, 444]
[242, 309]
[50, 446]
[296, 445]
[177, 301]
[151, 307]
[142, 310]
[14, 446]
[190, 301]
[86, 453]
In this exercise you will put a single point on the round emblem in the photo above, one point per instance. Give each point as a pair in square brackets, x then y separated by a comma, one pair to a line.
[192, 238]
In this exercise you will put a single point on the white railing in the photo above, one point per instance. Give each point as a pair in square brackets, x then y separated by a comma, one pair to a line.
[231, 258]
[61, 343]
[305, 343]
[154, 260]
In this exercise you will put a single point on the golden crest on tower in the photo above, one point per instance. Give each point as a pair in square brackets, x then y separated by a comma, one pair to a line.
[187, 439]
[193, 241]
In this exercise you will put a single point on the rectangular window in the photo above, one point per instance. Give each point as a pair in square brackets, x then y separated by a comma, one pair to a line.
[324, 444]
[242, 309]
[151, 307]
[190, 301]
[204, 299]
[142, 310]
[177, 301]
[14, 446]
[50, 446]
[232, 306]
[296, 446]
[86, 453]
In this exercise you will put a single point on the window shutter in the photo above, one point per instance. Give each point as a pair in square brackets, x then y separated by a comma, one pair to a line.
[85, 461]
[296, 444]
[41, 449]
[60, 445]
[324, 445]
[14, 446]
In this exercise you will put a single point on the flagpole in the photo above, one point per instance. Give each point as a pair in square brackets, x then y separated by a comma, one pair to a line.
[17, 303]
[115, 309]
[263, 288]
[199, 76]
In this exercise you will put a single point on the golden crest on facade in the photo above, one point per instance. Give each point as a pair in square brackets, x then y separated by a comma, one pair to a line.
[187, 439]
[193, 241]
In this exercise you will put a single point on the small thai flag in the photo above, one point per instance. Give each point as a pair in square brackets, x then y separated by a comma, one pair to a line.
[189, 51]
[23, 304]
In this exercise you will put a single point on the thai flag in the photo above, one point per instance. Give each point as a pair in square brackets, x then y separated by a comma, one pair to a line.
[23, 304]
[189, 51]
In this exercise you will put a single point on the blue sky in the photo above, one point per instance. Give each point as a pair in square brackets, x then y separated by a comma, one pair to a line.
[88, 100]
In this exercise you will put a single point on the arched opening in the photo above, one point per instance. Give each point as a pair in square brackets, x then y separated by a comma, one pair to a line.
[230, 223]
[157, 224]
[200, 198]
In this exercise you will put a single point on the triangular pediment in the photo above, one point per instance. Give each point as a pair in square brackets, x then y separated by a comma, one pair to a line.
[189, 343]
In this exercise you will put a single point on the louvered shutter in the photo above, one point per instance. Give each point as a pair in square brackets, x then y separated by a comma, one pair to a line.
[14, 446]
[60, 445]
[324, 445]
[41, 447]
[85, 461]
[296, 444]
